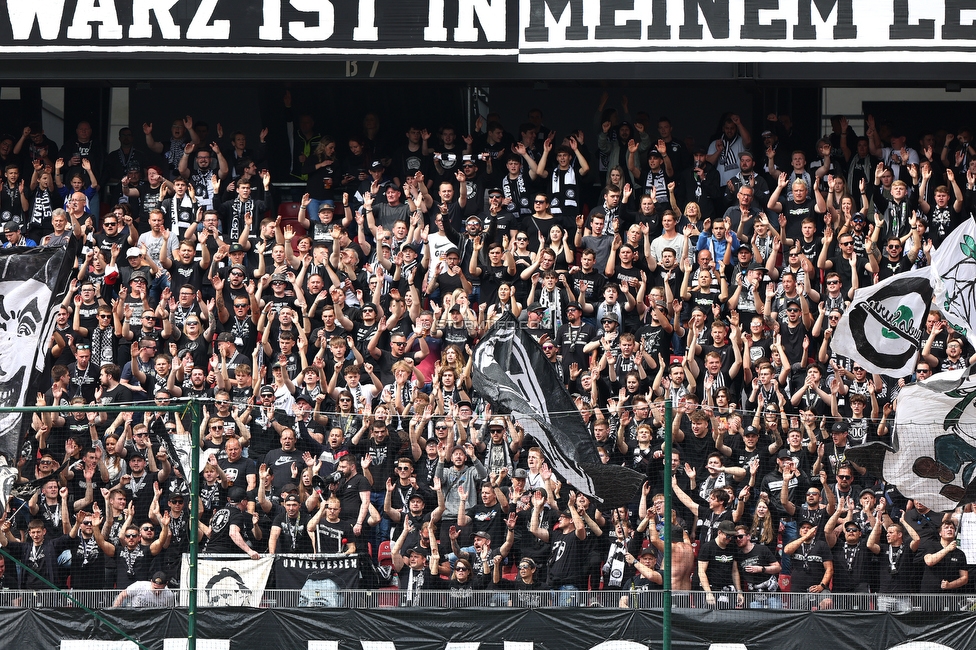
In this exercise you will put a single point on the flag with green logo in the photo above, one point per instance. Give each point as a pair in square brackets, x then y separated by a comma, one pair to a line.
[884, 327]
[954, 274]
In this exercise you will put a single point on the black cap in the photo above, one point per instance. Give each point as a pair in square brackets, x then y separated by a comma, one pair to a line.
[654, 153]
[377, 164]
[159, 578]
[840, 427]
[291, 498]
[236, 248]
[727, 527]
[482, 533]
[236, 495]
[750, 431]
[647, 550]
[11, 226]
[420, 550]
[226, 337]
[267, 390]
[784, 453]
[535, 307]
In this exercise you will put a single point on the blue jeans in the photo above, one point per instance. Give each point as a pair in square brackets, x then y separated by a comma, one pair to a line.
[157, 286]
[567, 596]
[790, 533]
[381, 532]
[312, 211]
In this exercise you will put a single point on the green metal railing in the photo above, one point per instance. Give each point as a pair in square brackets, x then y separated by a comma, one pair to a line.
[191, 406]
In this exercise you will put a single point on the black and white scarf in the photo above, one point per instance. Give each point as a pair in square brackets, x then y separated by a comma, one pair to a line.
[730, 156]
[563, 190]
[239, 209]
[516, 191]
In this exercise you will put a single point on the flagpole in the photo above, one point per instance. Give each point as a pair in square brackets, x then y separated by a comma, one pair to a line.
[191, 624]
[666, 605]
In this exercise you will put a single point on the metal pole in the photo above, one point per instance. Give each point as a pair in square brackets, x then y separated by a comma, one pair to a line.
[101, 409]
[191, 626]
[666, 619]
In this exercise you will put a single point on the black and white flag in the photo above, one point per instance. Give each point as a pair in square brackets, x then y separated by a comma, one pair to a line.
[512, 372]
[884, 328]
[229, 581]
[32, 282]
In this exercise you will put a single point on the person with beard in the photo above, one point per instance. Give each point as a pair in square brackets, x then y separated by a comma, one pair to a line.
[179, 523]
[724, 151]
[328, 533]
[202, 173]
[291, 530]
[615, 149]
[353, 493]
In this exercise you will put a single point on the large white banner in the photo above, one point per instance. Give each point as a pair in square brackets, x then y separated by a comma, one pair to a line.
[229, 581]
[556, 31]
[935, 440]
[954, 274]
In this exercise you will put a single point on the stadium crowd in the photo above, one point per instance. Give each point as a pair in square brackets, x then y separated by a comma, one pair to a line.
[332, 350]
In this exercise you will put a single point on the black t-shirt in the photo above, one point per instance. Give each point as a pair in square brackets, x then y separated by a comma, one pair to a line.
[720, 565]
[332, 537]
[348, 493]
[947, 568]
[488, 519]
[238, 471]
[566, 561]
[807, 563]
[761, 556]
[220, 523]
[294, 533]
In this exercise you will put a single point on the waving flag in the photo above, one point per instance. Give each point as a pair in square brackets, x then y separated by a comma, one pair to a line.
[933, 454]
[884, 328]
[954, 274]
[32, 282]
[512, 372]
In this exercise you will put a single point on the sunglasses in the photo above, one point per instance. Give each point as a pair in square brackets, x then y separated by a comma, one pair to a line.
[110, 223]
[131, 535]
[741, 536]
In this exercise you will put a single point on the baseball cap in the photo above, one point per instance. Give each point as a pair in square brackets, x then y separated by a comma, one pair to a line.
[236, 248]
[236, 495]
[133, 251]
[727, 527]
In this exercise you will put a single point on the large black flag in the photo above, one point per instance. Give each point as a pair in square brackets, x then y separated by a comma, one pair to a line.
[32, 282]
[512, 372]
